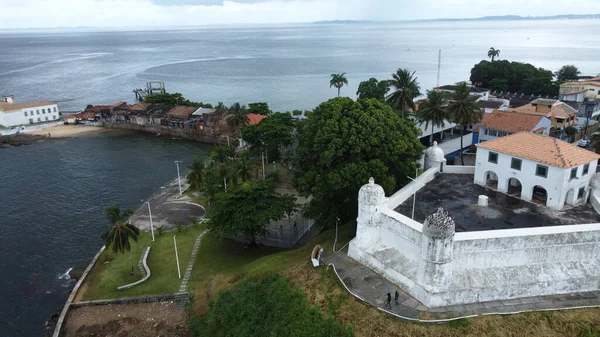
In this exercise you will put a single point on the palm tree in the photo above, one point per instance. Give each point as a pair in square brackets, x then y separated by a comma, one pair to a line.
[338, 81]
[220, 108]
[243, 169]
[493, 53]
[463, 109]
[433, 110]
[236, 116]
[406, 89]
[196, 175]
[120, 232]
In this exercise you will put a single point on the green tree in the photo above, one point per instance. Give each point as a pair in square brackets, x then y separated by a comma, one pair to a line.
[173, 99]
[259, 108]
[493, 53]
[338, 81]
[119, 234]
[196, 176]
[271, 135]
[237, 116]
[342, 144]
[463, 110]
[213, 183]
[243, 169]
[269, 306]
[248, 209]
[433, 110]
[373, 89]
[514, 77]
[220, 108]
[567, 73]
[571, 131]
[405, 90]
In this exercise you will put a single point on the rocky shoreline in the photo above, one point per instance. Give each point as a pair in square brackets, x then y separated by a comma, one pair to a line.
[20, 139]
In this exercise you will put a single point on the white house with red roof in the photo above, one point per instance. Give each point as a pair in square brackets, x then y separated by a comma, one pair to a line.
[537, 168]
[503, 123]
[13, 114]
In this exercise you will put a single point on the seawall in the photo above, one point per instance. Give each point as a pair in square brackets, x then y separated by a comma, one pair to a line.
[189, 134]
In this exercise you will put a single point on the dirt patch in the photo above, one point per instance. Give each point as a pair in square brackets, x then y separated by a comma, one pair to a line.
[125, 320]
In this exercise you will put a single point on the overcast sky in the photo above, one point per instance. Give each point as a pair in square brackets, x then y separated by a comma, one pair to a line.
[131, 13]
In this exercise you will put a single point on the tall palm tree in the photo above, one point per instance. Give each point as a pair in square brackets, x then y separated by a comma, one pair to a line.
[236, 116]
[433, 110]
[405, 90]
[243, 169]
[463, 110]
[220, 108]
[493, 53]
[120, 232]
[196, 176]
[338, 81]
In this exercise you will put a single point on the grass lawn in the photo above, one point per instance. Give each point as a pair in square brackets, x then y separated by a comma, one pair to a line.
[104, 278]
[220, 264]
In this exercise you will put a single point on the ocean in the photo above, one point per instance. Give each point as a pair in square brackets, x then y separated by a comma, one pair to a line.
[287, 66]
[52, 194]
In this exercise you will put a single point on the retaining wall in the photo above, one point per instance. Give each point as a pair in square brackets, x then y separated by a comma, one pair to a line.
[189, 134]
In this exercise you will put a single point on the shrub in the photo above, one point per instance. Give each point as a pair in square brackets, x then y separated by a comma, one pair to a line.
[265, 307]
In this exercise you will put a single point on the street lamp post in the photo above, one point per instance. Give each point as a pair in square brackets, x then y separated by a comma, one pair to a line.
[151, 226]
[177, 256]
[178, 175]
[262, 157]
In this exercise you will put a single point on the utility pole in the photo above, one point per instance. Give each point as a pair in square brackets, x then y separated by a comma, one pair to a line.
[439, 66]
[151, 226]
[262, 157]
[177, 256]
[178, 175]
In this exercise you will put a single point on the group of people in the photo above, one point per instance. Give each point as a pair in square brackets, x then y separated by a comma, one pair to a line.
[389, 299]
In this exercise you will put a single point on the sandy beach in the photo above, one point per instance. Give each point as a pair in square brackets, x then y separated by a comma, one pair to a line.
[68, 130]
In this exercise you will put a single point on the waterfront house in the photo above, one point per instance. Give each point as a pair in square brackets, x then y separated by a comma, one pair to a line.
[537, 168]
[560, 114]
[504, 123]
[178, 116]
[480, 93]
[150, 114]
[14, 114]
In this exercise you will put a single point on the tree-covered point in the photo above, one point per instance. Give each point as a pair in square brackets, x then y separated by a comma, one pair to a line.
[269, 306]
[248, 208]
[174, 99]
[271, 135]
[514, 77]
[373, 88]
[342, 144]
[567, 73]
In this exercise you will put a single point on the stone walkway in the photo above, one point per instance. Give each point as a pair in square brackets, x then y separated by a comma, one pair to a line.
[188, 271]
[373, 288]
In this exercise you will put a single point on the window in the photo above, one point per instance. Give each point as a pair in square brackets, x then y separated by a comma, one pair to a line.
[493, 157]
[54, 109]
[541, 171]
[53, 117]
[573, 173]
[39, 119]
[581, 193]
[493, 133]
[30, 120]
[46, 117]
[515, 164]
[586, 168]
[486, 132]
[37, 111]
[25, 113]
[44, 111]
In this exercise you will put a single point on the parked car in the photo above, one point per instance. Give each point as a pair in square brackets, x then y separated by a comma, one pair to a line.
[584, 143]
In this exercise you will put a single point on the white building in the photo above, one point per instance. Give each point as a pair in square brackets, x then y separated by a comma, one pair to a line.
[503, 123]
[13, 114]
[536, 167]
[479, 93]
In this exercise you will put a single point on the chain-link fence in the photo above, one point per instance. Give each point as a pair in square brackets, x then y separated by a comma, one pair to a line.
[286, 232]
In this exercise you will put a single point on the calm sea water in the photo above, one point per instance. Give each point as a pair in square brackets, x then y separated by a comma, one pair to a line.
[287, 66]
[52, 198]
[52, 194]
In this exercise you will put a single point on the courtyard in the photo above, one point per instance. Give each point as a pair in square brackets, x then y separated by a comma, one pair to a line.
[458, 195]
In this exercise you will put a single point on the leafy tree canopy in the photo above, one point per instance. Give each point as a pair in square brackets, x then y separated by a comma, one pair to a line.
[271, 134]
[508, 76]
[567, 73]
[266, 307]
[373, 89]
[174, 99]
[341, 144]
[248, 209]
[259, 108]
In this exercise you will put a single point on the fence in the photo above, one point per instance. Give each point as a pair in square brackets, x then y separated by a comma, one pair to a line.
[22, 129]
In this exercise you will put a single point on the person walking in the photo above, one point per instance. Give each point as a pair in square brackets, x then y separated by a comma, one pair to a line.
[396, 297]
[389, 300]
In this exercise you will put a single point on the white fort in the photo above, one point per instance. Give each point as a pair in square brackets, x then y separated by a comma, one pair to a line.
[440, 267]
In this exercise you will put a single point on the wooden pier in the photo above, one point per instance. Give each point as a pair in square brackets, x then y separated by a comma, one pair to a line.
[152, 88]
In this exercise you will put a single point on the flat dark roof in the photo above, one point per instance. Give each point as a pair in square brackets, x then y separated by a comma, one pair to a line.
[471, 88]
[458, 195]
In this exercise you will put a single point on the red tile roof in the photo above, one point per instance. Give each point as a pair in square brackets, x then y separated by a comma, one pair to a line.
[510, 121]
[541, 149]
[254, 119]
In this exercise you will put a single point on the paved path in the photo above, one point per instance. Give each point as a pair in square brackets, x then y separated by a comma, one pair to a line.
[168, 208]
[188, 271]
[373, 289]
